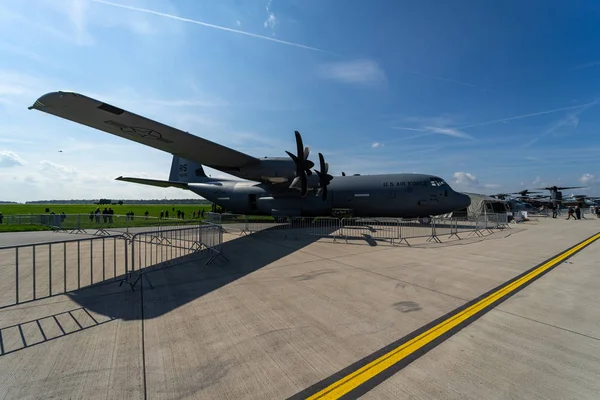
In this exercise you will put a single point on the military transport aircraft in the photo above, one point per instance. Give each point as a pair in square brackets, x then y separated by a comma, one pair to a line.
[274, 185]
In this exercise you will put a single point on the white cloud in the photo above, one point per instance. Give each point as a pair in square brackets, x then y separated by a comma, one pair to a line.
[434, 125]
[271, 19]
[58, 170]
[403, 128]
[466, 180]
[377, 144]
[587, 179]
[76, 10]
[53, 180]
[587, 65]
[75, 21]
[9, 159]
[17, 87]
[572, 120]
[446, 126]
[569, 121]
[449, 132]
[363, 72]
[535, 114]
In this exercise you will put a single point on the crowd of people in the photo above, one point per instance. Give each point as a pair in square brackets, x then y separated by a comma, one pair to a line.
[575, 212]
[107, 215]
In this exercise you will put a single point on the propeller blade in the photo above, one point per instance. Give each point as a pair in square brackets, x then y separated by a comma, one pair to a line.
[303, 185]
[293, 157]
[299, 145]
[324, 177]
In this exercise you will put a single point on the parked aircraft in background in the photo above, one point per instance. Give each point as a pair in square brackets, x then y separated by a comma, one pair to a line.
[275, 185]
[582, 200]
[515, 205]
[556, 194]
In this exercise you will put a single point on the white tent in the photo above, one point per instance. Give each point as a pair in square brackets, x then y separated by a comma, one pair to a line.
[481, 204]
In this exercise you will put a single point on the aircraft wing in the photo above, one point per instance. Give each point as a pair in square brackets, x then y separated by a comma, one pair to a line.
[154, 182]
[105, 117]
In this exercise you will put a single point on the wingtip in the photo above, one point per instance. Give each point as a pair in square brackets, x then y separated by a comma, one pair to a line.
[40, 102]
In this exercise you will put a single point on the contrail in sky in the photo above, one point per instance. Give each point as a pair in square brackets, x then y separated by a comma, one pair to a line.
[223, 28]
[529, 115]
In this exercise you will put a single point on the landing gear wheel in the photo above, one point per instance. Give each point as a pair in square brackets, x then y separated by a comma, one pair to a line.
[424, 220]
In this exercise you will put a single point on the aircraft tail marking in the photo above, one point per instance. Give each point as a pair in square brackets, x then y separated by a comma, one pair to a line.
[183, 170]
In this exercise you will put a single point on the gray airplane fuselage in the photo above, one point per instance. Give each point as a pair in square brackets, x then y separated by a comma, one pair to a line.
[390, 195]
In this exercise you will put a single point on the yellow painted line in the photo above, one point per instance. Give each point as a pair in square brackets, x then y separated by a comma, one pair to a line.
[372, 369]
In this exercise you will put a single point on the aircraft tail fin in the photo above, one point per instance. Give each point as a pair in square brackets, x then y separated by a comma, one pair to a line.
[183, 170]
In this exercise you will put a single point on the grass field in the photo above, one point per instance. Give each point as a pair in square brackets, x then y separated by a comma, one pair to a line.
[22, 228]
[78, 216]
[138, 209]
[74, 221]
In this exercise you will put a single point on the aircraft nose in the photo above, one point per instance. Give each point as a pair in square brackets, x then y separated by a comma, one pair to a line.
[462, 200]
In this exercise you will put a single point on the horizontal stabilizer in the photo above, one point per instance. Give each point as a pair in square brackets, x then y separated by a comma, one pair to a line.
[116, 121]
[154, 182]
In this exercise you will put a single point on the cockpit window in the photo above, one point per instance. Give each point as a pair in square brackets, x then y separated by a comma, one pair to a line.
[437, 182]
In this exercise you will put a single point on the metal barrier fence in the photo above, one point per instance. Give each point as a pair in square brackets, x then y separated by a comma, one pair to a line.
[393, 230]
[97, 224]
[36, 271]
[168, 247]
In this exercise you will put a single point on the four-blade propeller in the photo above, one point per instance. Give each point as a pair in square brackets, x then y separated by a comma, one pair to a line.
[303, 168]
[303, 165]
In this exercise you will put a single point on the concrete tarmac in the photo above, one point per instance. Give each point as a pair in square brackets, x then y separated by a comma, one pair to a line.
[285, 314]
[543, 343]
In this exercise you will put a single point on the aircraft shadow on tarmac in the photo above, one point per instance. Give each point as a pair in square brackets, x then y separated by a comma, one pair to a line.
[180, 284]
[175, 285]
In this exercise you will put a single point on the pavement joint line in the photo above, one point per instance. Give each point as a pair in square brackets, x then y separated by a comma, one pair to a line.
[547, 324]
[365, 374]
[143, 344]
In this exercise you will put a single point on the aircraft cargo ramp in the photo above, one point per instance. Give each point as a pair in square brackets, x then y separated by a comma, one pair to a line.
[306, 317]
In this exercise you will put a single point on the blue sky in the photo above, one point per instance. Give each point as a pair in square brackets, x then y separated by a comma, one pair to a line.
[492, 96]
